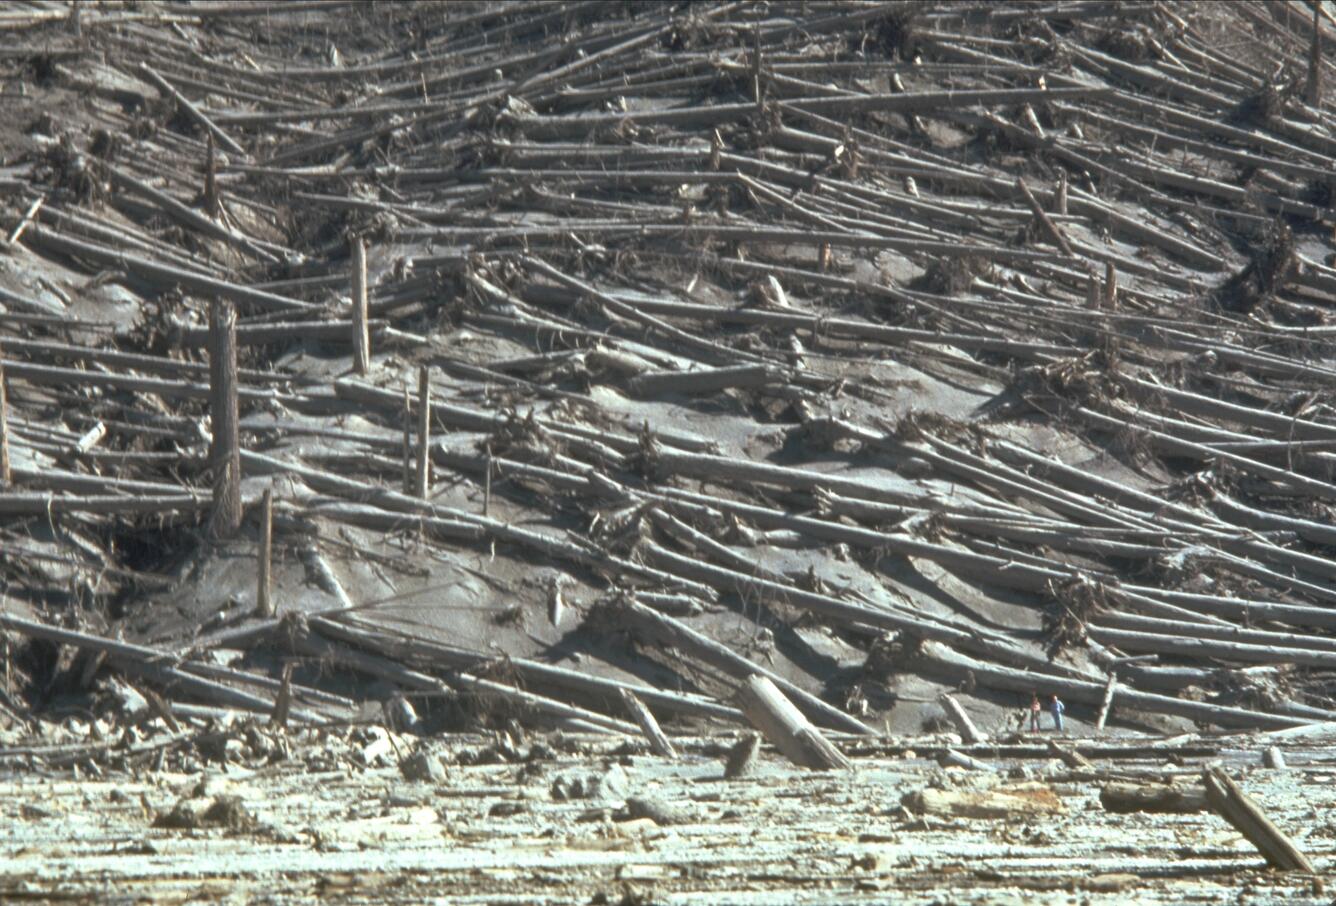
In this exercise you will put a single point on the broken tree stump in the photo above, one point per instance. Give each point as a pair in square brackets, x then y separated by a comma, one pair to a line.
[742, 757]
[283, 701]
[658, 742]
[1109, 688]
[1313, 84]
[1275, 759]
[786, 727]
[961, 719]
[1238, 808]
[408, 442]
[225, 451]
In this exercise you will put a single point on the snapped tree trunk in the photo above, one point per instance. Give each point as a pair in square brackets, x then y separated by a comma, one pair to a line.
[786, 728]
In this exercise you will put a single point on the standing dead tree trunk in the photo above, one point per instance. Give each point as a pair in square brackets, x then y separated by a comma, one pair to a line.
[264, 605]
[423, 477]
[1313, 88]
[1107, 703]
[5, 477]
[361, 337]
[225, 452]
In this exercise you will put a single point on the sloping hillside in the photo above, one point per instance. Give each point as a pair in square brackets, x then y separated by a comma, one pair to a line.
[885, 348]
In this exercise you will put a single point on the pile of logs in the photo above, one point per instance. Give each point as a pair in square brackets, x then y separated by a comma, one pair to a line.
[541, 241]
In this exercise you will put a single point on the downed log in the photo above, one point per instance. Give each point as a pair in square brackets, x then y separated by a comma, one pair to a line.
[679, 635]
[658, 742]
[192, 110]
[1236, 807]
[961, 719]
[786, 728]
[1012, 801]
[314, 644]
[953, 759]
[154, 665]
[386, 641]
[1070, 757]
[1159, 798]
[939, 657]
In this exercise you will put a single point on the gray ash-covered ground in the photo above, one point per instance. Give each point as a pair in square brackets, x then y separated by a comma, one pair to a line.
[891, 349]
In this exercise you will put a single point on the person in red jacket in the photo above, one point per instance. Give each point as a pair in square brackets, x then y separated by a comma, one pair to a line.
[1034, 713]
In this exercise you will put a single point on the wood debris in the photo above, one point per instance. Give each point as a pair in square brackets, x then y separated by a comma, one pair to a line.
[355, 354]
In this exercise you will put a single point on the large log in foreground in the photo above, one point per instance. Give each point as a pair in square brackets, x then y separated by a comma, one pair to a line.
[785, 727]
[1238, 808]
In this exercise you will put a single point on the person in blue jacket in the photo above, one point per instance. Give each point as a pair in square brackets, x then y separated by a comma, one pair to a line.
[1057, 707]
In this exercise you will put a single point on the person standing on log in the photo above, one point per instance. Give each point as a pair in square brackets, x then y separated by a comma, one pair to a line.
[1034, 713]
[1057, 707]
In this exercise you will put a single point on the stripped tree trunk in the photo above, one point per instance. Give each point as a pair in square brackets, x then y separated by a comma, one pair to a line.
[1236, 807]
[786, 728]
[225, 454]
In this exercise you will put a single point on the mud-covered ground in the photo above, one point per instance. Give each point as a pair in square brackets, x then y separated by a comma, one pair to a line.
[328, 816]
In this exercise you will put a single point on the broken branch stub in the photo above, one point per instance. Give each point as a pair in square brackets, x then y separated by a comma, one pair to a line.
[786, 727]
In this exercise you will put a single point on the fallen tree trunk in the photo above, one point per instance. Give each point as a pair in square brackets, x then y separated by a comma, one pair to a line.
[937, 656]
[1159, 798]
[786, 728]
[1239, 809]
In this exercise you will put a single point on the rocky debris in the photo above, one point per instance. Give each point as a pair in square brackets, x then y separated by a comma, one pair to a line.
[422, 765]
[742, 757]
[226, 811]
[609, 784]
[660, 812]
